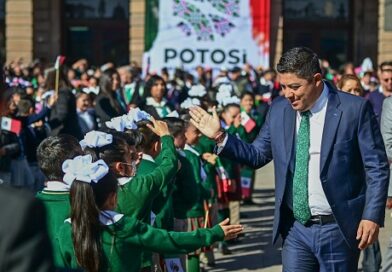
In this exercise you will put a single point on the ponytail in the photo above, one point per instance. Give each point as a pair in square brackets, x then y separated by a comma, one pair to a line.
[85, 226]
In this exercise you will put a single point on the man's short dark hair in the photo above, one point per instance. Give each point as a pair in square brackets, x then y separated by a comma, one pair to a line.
[53, 151]
[301, 61]
[385, 64]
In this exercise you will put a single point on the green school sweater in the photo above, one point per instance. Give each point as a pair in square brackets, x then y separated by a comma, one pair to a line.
[135, 197]
[185, 193]
[123, 242]
[58, 209]
[197, 210]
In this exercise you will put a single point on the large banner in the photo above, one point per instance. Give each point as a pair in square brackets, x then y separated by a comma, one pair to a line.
[212, 33]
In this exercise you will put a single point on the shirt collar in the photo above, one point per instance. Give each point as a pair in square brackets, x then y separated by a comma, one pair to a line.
[57, 186]
[124, 180]
[151, 102]
[191, 149]
[109, 217]
[321, 101]
[148, 157]
[105, 217]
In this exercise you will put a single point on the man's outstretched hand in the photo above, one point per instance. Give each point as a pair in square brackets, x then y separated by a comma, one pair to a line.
[208, 124]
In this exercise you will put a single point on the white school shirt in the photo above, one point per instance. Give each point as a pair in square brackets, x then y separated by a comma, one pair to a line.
[318, 202]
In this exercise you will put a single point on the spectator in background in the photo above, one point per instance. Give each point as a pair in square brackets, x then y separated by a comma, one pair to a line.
[156, 103]
[86, 114]
[351, 84]
[63, 118]
[377, 97]
[109, 103]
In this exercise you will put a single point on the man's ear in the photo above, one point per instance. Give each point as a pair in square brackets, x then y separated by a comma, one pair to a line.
[318, 78]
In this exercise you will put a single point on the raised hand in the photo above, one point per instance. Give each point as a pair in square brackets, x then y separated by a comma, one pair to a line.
[208, 124]
[231, 231]
[158, 127]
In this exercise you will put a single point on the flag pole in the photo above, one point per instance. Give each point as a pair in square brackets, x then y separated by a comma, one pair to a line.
[56, 86]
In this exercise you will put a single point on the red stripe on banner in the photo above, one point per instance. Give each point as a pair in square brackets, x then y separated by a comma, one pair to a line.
[260, 11]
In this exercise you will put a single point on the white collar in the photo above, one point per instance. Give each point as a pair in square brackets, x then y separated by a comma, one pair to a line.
[124, 180]
[191, 149]
[105, 217]
[181, 152]
[321, 101]
[57, 186]
[151, 102]
[148, 157]
[109, 217]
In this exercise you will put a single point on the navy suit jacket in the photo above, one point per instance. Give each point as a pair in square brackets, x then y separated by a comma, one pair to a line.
[354, 169]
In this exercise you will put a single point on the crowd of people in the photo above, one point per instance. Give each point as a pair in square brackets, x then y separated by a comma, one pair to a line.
[116, 146]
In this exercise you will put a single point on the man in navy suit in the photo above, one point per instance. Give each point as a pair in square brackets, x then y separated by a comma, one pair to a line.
[331, 170]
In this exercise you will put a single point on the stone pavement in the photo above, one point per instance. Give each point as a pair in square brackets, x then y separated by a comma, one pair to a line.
[255, 252]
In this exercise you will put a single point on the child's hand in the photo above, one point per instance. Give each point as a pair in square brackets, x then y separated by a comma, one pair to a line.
[231, 231]
[159, 127]
[52, 100]
[211, 158]
[237, 121]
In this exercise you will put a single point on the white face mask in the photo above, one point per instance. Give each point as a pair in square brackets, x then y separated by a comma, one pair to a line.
[133, 168]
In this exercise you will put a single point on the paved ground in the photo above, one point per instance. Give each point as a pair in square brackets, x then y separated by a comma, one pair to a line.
[255, 252]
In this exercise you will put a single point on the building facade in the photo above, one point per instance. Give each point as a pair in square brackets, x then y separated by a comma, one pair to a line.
[106, 30]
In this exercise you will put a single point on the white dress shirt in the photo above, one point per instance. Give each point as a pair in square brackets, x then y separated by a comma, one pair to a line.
[317, 200]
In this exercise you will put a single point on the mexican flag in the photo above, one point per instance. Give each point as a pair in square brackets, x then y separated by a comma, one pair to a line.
[11, 125]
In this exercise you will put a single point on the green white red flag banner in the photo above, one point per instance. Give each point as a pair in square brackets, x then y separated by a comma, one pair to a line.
[213, 33]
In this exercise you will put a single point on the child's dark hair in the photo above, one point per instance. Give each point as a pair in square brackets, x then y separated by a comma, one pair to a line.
[87, 200]
[148, 136]
[176, 125]
[231, 105]
[53, 151]
[248, 93]
[24, 106]
[114, 152]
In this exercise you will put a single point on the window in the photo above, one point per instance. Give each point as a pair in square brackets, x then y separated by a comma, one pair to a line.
[325, 26]
[97, 30]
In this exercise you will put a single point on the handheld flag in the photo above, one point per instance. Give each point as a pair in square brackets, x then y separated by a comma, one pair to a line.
[11, 125]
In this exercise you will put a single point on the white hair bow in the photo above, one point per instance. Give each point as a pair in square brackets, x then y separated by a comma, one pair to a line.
[96, 139]
[121, 123]
[197, 90]
[138, 115]
[173, 114]
[94, 90]
[230, 100]
[83, 168]
[190, 102]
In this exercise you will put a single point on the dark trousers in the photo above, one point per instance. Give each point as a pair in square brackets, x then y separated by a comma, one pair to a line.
[317, 248]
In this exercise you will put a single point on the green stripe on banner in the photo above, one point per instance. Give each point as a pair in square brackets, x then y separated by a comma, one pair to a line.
[151, 23]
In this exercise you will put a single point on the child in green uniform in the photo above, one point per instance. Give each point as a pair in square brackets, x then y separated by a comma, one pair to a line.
[96, 238]
[185, 192]
[231, 122]
[55, 196]
[162, 210]
[196, 214]
[137, 193]
[252, 128]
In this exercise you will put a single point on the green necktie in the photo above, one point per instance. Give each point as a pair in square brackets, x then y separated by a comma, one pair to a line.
[300, 182]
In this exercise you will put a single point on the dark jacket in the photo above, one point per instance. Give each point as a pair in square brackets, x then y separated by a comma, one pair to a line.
[63, 118]
[24, 242]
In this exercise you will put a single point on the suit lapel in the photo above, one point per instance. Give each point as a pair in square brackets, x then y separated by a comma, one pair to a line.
[332, 119]
[289, 130]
